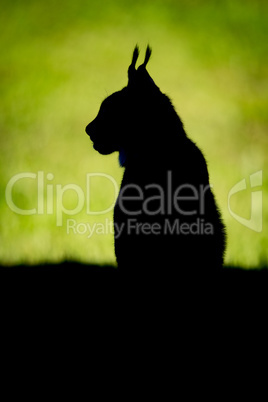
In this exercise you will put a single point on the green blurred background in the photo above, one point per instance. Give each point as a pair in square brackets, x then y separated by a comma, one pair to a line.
[59, 60]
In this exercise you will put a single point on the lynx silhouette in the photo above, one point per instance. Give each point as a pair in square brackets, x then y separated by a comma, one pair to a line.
[165, 218]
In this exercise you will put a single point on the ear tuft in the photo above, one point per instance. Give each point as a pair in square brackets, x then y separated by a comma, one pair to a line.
[147, 55]
[135, 56]
[132, 68]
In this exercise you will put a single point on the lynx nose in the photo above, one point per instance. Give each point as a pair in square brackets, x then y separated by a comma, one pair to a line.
[87, 130]
[91, 130]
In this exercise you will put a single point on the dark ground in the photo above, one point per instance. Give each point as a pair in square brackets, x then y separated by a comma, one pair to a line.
[76, 268]
[82, 291]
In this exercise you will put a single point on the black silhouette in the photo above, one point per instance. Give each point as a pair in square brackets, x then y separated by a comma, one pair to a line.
[165, 218]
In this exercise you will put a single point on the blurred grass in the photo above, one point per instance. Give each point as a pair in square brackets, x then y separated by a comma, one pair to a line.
[59, 60]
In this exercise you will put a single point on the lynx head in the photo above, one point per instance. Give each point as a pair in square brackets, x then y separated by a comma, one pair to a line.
[122, 114]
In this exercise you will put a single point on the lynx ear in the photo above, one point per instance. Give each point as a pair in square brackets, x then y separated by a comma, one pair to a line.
[147, 56]
[132, 68]
[139, 78]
